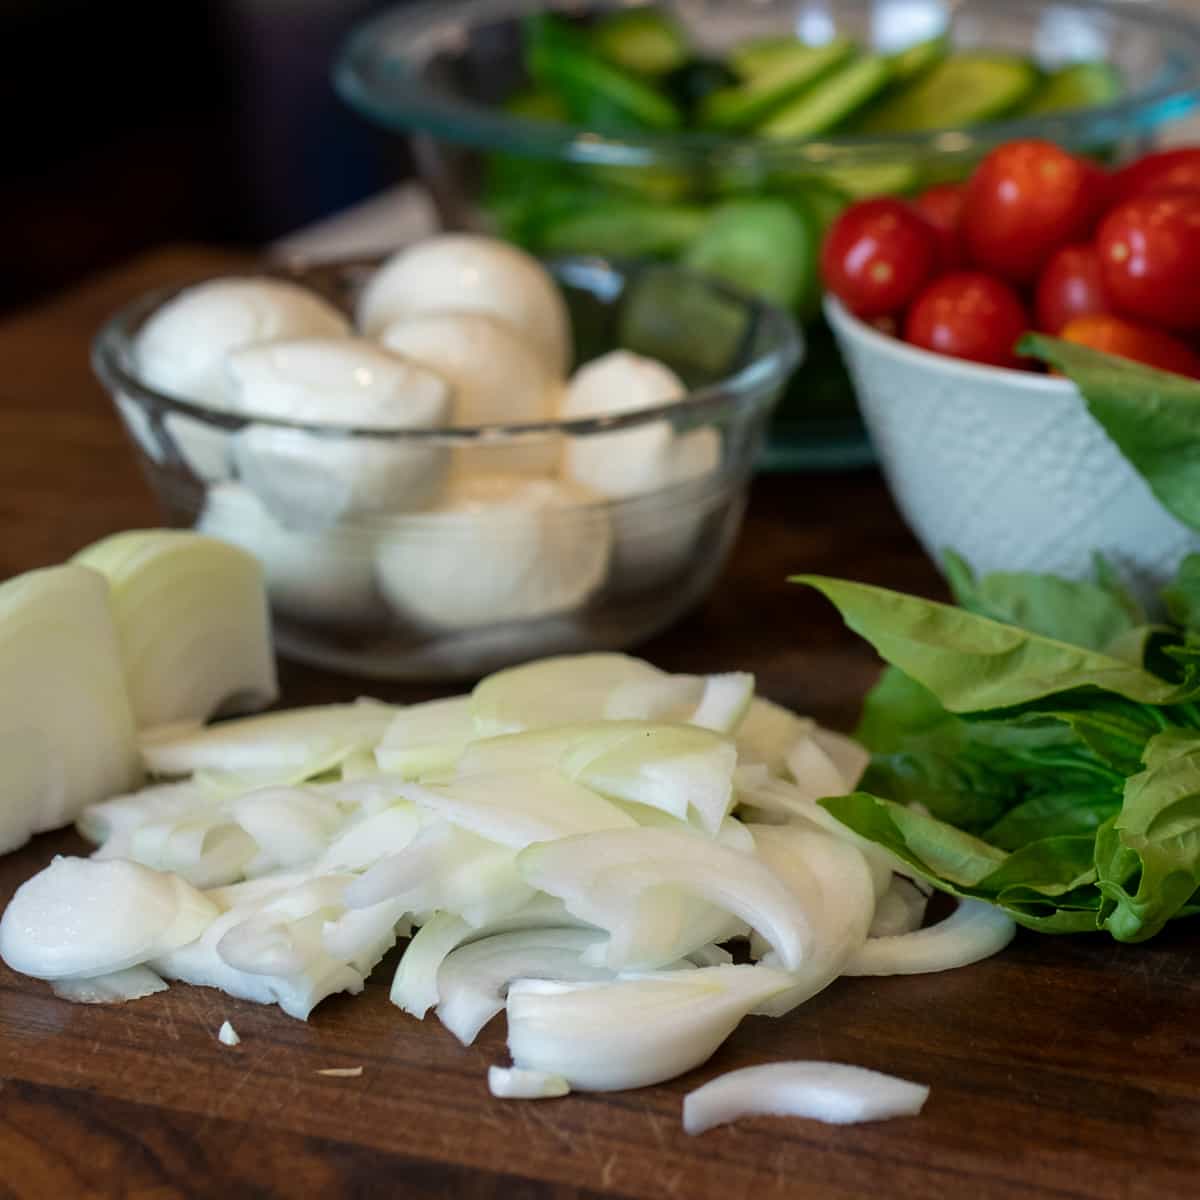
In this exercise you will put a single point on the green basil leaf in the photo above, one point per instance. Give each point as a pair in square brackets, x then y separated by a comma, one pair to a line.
[1053, 814]
[1148, 855]
[1152, 416]
[1182, 595]
[971, 663]
[1095, 615]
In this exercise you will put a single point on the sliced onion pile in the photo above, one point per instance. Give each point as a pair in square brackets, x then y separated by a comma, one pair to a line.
[573, 844]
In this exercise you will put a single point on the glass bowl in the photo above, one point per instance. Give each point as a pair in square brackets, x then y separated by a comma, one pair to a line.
[441, 70]
[359, 587]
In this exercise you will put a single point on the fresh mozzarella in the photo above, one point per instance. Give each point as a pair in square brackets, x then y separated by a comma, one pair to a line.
[181, 349]
[499, 548]
[462, 272]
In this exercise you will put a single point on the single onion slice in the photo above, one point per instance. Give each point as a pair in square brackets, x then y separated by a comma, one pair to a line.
[562, 690]
[633, 1031]
[473, 980]
[974, 931]
[133, 983]
[835, 1093]
[297, 740]
[513, 1083]
[725, 702]
[426, 737]
[83, 917]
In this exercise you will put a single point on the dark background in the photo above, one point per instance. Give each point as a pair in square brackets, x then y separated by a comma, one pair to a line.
[134, 122]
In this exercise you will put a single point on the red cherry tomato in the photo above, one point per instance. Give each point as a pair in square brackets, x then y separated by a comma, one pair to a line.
[1025, 200]
[968, 315]
[1072, 285]
[1114, 335]
[1169, 170]
[1150, 255]
[942, 207]
[877, 256]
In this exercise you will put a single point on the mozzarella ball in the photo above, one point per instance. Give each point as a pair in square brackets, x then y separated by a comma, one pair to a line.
[497, 378]
[310, 480]
[464, 272]
[499, 548]
[181, 349]
[320, 578]
[653, 537]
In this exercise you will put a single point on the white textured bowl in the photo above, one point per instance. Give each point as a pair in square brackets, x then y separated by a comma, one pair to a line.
[1006, 467]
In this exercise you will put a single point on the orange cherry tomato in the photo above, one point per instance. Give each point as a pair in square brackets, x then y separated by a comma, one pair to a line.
[1152, 347]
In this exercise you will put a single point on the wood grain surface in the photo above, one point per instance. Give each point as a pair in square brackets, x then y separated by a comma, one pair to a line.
[1061, 1068]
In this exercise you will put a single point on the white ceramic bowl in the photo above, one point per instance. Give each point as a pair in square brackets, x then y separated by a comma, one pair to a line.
[1006, 467]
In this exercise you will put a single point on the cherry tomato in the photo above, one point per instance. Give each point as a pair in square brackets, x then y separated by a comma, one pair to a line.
[1025, 200]
[968, 315]
[942, 207]
[1114, 335]
[1072, 285]
[877, 256]
[1150, 254]
[1169, 170]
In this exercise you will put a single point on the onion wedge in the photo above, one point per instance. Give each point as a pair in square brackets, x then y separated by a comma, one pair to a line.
[835, 1093]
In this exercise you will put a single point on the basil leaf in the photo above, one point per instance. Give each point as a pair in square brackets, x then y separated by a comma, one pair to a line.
[1182, 595]
[1148, 855]
[1053, 814]
[971, 663]
[1152, 416]
[1044, 887]
[898, 709]
[942, 854]
[1094, 615]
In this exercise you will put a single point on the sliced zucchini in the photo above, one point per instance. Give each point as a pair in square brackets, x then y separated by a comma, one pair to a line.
[916, 59]
[964, 89]
[645, 41]
[757, 55]
[624, 230]
[831, 101]
[1080, 85]
[752, 102]
[594, 91]
[760, 246]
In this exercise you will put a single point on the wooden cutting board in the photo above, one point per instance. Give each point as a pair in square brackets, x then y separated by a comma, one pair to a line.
[1060, 1068]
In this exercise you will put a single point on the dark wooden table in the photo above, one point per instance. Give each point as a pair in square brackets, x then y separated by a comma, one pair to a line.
[1064, 1068]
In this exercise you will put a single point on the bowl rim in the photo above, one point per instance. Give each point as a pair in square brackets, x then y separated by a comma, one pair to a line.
[112, 348]
[855, 329]
[404, 102]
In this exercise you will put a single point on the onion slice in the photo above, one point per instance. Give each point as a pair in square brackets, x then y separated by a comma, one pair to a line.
[599, 877]
[835, 1093]
[134, 983]
[473, 980]
[974, 931]
[633, 1031]
[513, 1083]
[82, 917]
[298, 740]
